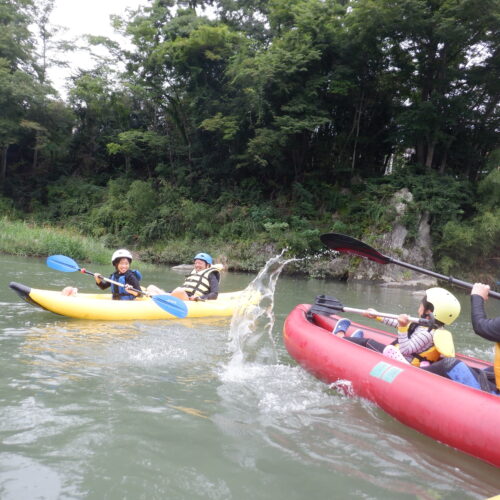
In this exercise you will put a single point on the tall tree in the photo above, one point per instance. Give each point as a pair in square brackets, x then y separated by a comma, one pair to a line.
[15, 59]
[433, 48]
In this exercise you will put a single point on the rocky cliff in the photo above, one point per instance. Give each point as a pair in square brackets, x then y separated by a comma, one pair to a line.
[396, 244]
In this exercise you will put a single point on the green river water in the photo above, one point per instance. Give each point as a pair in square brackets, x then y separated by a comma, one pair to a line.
[205, 409]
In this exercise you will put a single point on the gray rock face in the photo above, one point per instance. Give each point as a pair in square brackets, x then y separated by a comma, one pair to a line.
[396, 245]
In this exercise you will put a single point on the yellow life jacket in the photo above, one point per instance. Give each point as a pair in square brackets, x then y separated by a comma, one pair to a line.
[443, 346]
[496, 365]
[197, 283]
[432, 355]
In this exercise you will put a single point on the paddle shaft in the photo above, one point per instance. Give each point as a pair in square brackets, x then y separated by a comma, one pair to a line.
[344, 243]
[327, 304]
[84, 271]
[421, 321]
[169, 303]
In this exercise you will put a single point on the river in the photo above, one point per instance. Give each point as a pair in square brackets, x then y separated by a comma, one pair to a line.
[205, 409]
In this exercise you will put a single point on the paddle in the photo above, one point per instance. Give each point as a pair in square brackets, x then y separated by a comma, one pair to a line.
[168, 303]
[443, 339]
[327, 304]
[348, 244]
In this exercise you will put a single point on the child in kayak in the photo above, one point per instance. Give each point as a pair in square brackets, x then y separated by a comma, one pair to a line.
[487, 380]
[201, 284]
[415, 342]
[121, 259]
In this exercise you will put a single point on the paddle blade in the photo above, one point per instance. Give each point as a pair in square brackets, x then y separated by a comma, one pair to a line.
[173, 305]
[62, 263]
[348, 244]
[330, 302]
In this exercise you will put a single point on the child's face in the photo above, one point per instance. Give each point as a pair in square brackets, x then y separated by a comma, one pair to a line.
[423, 311]
[123, 265]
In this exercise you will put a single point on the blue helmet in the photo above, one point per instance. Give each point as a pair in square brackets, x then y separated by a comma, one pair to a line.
[205, 257]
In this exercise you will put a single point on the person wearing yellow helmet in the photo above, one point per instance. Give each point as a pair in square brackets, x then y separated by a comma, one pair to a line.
[415, 342]
[121, 259]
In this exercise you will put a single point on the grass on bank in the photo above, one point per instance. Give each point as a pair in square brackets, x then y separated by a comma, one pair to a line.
[25, 239]
[33, 240]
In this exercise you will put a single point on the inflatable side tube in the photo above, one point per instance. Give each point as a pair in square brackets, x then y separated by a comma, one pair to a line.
[24, 292]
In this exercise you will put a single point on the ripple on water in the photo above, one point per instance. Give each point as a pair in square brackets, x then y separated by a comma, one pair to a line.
[44, 482]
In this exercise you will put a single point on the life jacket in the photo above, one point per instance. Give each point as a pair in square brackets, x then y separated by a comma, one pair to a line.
[496, 365]
[197, 283]
[119, 292]
[431, 354]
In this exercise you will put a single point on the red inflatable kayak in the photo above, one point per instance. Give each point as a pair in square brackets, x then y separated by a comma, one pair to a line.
[462, 417]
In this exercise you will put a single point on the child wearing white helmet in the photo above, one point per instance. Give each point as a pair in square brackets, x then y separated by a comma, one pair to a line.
[121, 259]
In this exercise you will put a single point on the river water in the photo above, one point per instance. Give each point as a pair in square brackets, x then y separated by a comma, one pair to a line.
[205, 409]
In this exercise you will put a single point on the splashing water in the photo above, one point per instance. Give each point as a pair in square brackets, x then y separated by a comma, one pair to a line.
[250, 336]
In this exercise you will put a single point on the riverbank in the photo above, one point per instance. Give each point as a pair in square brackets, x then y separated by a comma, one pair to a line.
[30, 240]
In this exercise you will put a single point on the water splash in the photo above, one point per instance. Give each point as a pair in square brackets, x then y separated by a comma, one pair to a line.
[250, 336]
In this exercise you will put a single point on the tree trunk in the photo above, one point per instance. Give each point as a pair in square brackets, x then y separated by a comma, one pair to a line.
[357, 118]
[430, 154]
[442, 166]
[35, 152]
[3, 166]
[420, 150]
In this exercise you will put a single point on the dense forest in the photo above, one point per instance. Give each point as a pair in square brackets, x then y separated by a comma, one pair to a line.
[233, 126]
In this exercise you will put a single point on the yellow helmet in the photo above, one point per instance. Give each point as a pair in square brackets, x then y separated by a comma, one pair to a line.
[446, 305]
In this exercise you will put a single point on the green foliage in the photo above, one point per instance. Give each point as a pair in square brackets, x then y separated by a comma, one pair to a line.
[7, 209]
[22, 238]
[478, 240]
[69, 197]
[445, 198]
[261, 126]
[488, 190]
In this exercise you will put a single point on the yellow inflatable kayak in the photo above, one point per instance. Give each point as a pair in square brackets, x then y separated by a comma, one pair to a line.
[101, 306]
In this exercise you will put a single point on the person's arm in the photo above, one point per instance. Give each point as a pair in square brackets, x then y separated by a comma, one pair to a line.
[371, 313]
[100, 283]
[489, 329]
[133, 282]
[214, 288]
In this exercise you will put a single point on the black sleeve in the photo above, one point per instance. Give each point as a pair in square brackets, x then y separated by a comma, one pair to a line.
[132, 280]
[213, 279]
[104, 284]
[489, 329]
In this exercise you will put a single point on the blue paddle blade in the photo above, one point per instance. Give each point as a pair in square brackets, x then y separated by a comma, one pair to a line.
[173, 305]
[62, 263]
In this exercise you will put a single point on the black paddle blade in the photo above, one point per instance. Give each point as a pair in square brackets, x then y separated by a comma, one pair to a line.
[348, 244]
[325, 305]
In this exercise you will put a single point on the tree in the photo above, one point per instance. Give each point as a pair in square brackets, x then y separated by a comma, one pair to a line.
[433, 48]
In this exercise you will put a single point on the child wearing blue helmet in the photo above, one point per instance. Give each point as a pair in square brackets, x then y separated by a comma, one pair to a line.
[201, 284]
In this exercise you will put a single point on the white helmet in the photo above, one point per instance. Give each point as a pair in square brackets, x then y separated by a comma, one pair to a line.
[446, 305]
[119, 254]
